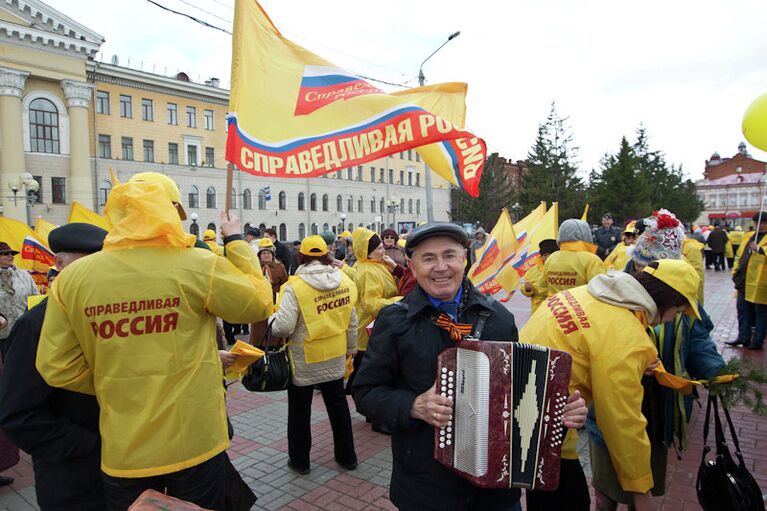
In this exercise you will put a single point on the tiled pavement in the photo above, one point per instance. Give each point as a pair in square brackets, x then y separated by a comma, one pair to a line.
[259, 449]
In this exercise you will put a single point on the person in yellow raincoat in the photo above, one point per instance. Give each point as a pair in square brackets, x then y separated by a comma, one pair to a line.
[330, 240]
[750, 278]
[604, 327]
[209, 237]
[376, 286]
[545, 249]
[575, 264]
[619, 255]
[692, 252]
[135, 326]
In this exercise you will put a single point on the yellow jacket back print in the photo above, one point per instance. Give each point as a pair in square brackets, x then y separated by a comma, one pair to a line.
[135, 325]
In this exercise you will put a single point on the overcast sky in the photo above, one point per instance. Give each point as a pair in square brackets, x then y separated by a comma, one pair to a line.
[685, 69]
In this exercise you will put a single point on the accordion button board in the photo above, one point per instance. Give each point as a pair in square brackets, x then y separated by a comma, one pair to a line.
[508, 402]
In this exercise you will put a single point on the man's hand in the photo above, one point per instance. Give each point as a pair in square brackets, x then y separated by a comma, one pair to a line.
[230, 224]
[389, 262]
[227, 358]
[650, 369]
[575, 411]
[753, 246]
[432, 408]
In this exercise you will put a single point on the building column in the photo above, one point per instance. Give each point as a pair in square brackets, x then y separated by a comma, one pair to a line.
[80, 186]
[12, 163]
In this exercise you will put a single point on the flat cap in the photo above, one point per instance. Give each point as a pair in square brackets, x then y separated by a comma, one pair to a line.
[77, 237]
[432, 230]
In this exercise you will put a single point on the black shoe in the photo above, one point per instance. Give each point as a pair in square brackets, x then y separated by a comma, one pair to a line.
[756, 347]
[381, 429]
[736, 343]
[302, 471]
[348, 466]
[5, 481]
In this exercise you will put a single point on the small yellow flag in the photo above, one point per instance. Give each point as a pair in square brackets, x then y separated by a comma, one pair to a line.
[585, 215]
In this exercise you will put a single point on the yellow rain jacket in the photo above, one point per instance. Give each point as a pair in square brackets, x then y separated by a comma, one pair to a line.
[536, 296]
[603, 327]
[573, 265]
[736, 237]
[215, 248]
[617, 258]
[692, 252]
[728, 253]
[349, 271]
[135, 324]
[756, 273]
[376, 286]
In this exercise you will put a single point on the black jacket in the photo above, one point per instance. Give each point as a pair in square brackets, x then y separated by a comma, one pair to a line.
[58, 428]
[285, 255]
[401, 363]
[606, 239]
[717, 240]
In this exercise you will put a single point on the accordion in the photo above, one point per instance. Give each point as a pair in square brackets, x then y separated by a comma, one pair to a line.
[508, 401]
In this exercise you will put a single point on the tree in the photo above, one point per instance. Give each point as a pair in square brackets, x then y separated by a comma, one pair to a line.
[552, 172]
[494, 195]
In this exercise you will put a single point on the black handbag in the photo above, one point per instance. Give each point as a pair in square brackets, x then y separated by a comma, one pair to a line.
[723, 484]
[272, 372]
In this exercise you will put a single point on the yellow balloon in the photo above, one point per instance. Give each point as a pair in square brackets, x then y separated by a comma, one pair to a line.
[755, 123]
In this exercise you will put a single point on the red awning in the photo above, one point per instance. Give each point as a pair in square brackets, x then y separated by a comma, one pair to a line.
[732, 214]
[712, 216]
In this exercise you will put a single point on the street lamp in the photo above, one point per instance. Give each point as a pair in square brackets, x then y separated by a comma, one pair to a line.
[393, 205]
[195, 230]
[343, 222]
[421, 81]
[515, 208]
[30, 186]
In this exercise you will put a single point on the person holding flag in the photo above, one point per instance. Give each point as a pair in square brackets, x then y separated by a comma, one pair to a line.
[537, 296]
[15, 286]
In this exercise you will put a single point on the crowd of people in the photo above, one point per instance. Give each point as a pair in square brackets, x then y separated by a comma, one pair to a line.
[113, 384]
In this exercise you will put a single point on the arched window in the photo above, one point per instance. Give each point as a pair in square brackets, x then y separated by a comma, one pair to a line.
[247, 199]
[402, 205]
[339, 203]
[261, 226]
[210, 198]
[314, 228]
[313, 202]
[194, 197]
[360, 206]
[350, 204]
[361, 224]
[283, 200]
[212, 226]
[381, 208]
[325, 202]
[373, 204]
[301, 205]
[104, 188]
[44, 126]
[234, 198]
[410, 205]
[340, 228]
[261, 199]
[418, 206]
[325, 227]
[283, 232]
[194, 229]
[301, 231]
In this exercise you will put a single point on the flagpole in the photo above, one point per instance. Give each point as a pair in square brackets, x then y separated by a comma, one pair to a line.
[229, 179]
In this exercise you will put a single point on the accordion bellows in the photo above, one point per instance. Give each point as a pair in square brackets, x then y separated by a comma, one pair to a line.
[508, 402]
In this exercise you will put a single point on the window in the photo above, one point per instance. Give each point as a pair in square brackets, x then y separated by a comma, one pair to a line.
[210, 198]
[418, 179]
[173, 153]
[350, 174]
[372, 174]
[402, 155]
[59, 190]
[247, 199]
[409, 154]
[102, 102]
[381, 176]
[301, 206]
[149, 150]
[38, 195]
[208, 114]
[373, 204]
[314, 228]
[418, 206]
[261, 199]
[172, 113]
[194, 229]
[313, 202]
[381, 207]
[339, 203]
[44, 126]
[301, 231]
[283, 232]
[191, 155]
[391, 176]
[325, 227]
[325, 202]
[417, 156]
[147, 110]
[359, 173]
[360, 205]
[126, 106]
[210, 157]
[283, 200]
[191, 117]
[410, 206]
[105, 146]
[104, 188]
[127, 146]
[350, 204]
[194, 197]
[234, 198]
[402, 205]
[402, 177]
[410, 178]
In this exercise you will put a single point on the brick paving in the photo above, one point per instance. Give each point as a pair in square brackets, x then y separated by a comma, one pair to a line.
[259, 448]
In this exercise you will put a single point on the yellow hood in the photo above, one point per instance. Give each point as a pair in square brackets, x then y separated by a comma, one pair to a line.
[142, 215]
[360, 239]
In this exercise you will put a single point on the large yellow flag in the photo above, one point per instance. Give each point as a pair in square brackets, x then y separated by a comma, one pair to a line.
[43, 228]
[79, 213]
[500, 245]
[294, 114]
[528, 253]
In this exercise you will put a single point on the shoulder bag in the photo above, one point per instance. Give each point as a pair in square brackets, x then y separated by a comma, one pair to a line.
[272, 372]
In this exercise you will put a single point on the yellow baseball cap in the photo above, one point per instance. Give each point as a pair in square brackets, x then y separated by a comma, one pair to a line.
[681, 277]
[170, 186]
[401, 243]
[346, 234]
[314, 246]
[209, 235]
[631, 228]
[265, 243]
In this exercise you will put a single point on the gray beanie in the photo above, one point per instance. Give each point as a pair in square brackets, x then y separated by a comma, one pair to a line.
[573, 229]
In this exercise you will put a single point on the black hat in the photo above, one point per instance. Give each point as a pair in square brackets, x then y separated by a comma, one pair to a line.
[4, 247]
[433, 229]
[373, 243]
[77, 237]
[548, 246]
[608, 215]
[253, 232]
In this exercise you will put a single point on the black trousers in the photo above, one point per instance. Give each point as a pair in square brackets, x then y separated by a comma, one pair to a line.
[299, 427]
[203, 484]
[230, 330]
[572, 493]
[356, 362]
[719, 261]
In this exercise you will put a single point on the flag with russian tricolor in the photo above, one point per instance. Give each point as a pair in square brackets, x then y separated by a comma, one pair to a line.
[39, 257]
[294, 114]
